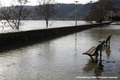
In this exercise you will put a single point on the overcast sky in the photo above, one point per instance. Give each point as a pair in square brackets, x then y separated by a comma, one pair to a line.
[34, 2]
[72, 1]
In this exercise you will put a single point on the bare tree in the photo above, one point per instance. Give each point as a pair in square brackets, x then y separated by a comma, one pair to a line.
[46, 9]
[5, 15]
[99, 10]
[14, 14]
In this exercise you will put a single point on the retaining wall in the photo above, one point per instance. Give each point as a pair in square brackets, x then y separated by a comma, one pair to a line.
[42, 34]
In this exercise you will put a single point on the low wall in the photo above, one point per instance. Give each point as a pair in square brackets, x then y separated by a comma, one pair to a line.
[42, 35]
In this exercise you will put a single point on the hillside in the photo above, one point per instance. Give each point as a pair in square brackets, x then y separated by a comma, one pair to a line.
[116, 3]
[64, 11]
[67, 11]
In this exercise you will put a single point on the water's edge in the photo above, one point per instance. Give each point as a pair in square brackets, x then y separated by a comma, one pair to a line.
[34, 36]
[42, 34]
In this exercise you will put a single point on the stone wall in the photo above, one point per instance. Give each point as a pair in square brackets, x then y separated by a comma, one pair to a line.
[42, 34]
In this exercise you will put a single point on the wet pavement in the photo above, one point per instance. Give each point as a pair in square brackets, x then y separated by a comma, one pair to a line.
[62, 58]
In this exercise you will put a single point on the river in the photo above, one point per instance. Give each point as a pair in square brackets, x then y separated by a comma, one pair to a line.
[40, 24]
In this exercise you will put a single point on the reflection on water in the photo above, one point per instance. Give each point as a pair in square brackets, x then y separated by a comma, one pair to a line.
[107, 50]
[62, 58]
[75, 43]
[96, 68]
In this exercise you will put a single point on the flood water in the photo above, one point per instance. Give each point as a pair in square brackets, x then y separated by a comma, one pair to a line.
[40, 24]
[62, 58]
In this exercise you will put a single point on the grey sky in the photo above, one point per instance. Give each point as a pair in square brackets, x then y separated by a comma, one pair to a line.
[34, 2]
[72, 1]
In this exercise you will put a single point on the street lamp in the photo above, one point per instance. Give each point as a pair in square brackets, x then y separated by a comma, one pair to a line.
[91, 1]
[76, 2]
[111, 15]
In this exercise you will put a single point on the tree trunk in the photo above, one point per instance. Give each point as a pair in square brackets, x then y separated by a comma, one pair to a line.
[18, 24]
[46, 23]
[19, 19]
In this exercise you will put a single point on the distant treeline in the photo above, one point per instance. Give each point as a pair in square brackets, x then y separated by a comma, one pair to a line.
[64, 11]
[67, 11]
